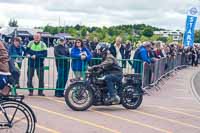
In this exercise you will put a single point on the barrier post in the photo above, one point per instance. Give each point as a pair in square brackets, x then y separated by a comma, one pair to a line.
[14, 91]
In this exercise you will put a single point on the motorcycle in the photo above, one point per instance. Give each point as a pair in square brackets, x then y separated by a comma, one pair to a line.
[82, 94]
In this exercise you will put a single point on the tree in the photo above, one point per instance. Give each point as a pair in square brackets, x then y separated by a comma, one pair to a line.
[147, 32]
[77, 27]
[197, 36]
[13, 23]
[163, 39]
[169, 39]
[141, 32]
[83, 32]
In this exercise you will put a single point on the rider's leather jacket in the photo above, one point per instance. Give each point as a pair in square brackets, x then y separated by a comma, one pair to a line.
[110, 65]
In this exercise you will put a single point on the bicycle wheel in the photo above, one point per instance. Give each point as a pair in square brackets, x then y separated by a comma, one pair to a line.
[20, 118]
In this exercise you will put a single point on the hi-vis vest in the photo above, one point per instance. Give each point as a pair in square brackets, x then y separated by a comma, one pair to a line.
[40, 47]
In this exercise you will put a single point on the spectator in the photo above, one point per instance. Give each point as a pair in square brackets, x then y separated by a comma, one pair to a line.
[86, 43]
[195, 55]
[172, 50]
[26, 41]
[81, 55]
[61, 53]
[118, 51]
[54, 42]
[158, 51]
[9, 42]
[128, 49]
[70, 44]
[141, 53]
[163, 49]
[152, 51]
[16, 53]
[36, 51]
[95, 54]
[16, 50]
[93, 45]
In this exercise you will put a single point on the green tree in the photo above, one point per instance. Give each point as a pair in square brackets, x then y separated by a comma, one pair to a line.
[197, 36]
[77, 27]
[163, 39]
[144, 39]
[147, 32]
[108, 34]
[169, 39]
[13, 23]
[83, 32]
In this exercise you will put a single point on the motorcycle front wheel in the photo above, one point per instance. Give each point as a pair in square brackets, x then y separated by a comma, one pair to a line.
[79, 97]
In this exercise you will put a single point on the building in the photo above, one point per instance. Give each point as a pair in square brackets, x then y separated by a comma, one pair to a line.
[177, 35]
[7, 33]
[65, 35]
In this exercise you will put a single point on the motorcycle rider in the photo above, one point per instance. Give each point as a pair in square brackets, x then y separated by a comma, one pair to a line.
[112, 72]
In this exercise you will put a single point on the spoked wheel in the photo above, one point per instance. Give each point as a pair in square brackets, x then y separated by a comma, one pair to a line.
[129, 100]
[17, 118]
[79, 97]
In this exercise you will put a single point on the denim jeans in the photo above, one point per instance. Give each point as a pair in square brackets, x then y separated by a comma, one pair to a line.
[111, 79]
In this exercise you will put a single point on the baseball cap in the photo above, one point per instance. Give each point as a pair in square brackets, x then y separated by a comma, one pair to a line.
[61, 38]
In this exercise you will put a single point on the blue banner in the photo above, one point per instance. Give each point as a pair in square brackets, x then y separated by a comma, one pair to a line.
[190, 31]
[189, 34]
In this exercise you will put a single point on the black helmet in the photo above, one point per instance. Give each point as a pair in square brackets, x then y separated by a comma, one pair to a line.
[102, 49]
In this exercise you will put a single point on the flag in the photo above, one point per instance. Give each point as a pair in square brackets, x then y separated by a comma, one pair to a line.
[191, 20]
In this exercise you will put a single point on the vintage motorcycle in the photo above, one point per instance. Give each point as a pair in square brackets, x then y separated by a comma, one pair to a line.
[82, 94]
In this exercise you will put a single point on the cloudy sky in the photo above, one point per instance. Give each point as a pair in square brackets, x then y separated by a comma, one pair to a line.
[30, 13]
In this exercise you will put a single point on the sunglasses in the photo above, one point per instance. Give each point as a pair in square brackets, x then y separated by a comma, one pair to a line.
[78, 42]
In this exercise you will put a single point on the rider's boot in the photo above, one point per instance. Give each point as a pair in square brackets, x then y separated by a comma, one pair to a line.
[113, 100]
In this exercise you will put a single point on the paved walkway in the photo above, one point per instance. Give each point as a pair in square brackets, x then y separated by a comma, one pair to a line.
[172, 109]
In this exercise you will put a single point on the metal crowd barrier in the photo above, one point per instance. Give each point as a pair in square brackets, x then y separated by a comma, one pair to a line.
[153, 73]
[49, 72]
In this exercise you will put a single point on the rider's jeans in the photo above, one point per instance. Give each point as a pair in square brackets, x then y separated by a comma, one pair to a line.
[111, 79]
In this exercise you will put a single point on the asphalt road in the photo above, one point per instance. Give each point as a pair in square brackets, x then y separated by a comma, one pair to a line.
[170, 109]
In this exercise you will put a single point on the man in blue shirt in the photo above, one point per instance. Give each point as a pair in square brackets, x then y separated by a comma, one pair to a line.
[142, 55]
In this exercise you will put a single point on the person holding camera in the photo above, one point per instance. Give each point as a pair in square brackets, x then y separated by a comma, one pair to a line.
[80, 57]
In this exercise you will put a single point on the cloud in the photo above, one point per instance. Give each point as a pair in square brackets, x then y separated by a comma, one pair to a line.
[169, 14]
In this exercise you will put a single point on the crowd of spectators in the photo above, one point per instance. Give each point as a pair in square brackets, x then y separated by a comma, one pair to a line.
[85, 52]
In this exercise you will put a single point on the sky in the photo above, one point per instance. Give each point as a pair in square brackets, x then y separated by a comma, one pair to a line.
[169, 14]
